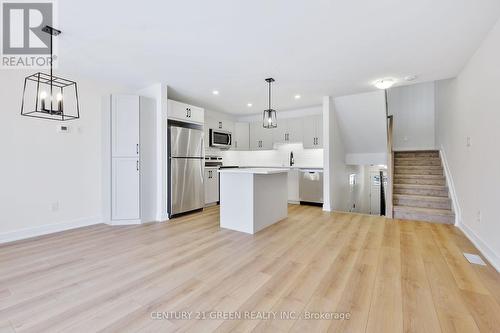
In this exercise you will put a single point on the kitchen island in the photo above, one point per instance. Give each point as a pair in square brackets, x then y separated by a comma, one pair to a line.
[252, 199]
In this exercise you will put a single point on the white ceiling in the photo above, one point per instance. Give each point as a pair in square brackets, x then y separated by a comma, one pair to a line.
[362, 122]
[312, 48]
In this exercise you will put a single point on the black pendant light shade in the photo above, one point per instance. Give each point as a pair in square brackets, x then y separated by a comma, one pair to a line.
[269, 118]
[50, 97]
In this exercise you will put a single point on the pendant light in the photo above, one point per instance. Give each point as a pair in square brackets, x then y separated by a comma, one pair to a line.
[269, 118]
[50, 97]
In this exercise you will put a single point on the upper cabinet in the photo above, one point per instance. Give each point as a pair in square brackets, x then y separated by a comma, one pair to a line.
[241, 136]
[288, 131]
[125, 126]
[185, 112]
[211, 122]
[260, 138]
[312, 131]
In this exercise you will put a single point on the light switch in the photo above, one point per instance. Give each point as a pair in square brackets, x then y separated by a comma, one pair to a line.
[468, 141]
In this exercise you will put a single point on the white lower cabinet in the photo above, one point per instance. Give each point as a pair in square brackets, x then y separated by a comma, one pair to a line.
[211, 186]
[125, 188]
[293, 186]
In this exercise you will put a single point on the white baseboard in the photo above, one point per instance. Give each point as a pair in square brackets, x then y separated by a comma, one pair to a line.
[47, 229]
[481, 246]
[451, 186]
[124, 222]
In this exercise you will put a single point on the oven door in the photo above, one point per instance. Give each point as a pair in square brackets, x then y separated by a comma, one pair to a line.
[220, 139]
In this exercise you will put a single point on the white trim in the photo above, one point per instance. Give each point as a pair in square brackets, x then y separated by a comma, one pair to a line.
[451, 187]
[47, 229]
[485, 250]
[124, 222]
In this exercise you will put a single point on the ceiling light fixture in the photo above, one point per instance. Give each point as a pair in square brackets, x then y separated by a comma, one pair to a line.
[269, 117]
[249, 105]
[384, 83]
[297, 96]
[410, 78]
[47, 96]
[215, 92]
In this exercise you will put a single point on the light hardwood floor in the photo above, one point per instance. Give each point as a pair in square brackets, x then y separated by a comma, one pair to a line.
[391, 276]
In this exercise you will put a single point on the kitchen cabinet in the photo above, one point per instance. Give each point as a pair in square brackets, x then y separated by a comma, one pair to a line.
[312, 131]
[125, 126]
[241, 136]
[260, 138]
[215, 123]
[129, 159]
[288, 131]
[125, 197]
[185, 112]
[293, 186]
[211, 186]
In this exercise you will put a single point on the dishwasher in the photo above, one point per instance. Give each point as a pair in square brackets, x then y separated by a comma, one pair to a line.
[311, 187]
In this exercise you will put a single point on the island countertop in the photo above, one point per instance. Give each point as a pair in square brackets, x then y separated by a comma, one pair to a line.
[255, 171]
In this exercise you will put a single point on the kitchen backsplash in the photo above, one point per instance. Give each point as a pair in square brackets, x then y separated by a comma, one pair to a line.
[279, 156]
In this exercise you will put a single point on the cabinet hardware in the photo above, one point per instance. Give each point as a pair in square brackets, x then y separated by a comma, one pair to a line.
[137, 149]
[137, 165]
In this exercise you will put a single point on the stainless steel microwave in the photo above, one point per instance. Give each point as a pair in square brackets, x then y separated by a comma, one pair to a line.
[220, 139]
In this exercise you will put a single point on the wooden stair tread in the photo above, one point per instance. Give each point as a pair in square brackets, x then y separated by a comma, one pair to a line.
[412, 176]
[422, 186]
[419, 210]
[421, 197]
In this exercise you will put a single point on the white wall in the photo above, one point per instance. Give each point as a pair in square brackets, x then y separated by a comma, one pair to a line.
[362, 122]
[49, 181]
[309, 111]
[280, 156]
[469, 106]
[413, 110]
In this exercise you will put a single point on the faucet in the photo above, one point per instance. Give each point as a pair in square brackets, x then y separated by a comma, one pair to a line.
[292, 162]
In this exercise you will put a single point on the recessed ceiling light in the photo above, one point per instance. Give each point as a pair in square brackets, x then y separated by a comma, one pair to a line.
[249, 105]
[297, 96]
[384, 83]
[215, 92]
[410, 77]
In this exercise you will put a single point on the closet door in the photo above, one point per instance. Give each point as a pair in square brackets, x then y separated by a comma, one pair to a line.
[125, 126]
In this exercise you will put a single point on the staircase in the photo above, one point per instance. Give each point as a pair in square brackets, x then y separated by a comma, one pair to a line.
[420, 191]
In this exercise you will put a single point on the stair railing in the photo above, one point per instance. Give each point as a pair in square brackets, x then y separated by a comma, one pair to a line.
[390, 166]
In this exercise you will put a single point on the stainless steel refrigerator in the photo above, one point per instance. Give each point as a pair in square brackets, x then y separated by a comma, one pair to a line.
[186, 165]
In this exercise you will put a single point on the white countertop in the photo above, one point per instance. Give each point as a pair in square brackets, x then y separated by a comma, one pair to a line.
[284, 167]
[256, 171]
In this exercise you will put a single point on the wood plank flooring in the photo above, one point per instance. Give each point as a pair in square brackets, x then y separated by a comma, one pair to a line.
[384, 275]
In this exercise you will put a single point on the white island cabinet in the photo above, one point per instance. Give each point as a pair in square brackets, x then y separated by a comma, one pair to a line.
[252, 199]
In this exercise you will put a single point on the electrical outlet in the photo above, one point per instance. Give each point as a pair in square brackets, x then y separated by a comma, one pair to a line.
[478, 216]
[54, 206]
